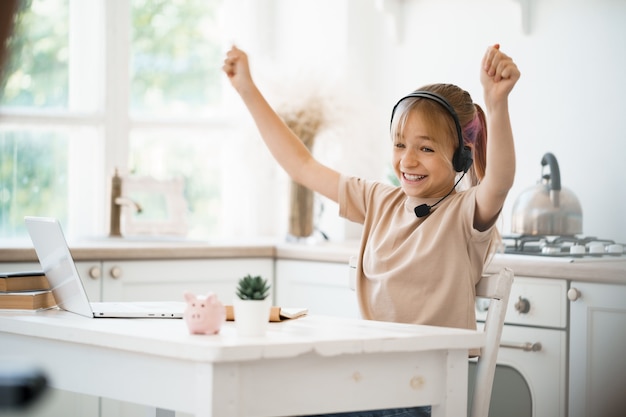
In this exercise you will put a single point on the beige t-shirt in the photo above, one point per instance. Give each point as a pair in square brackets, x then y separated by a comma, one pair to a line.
[415, 270]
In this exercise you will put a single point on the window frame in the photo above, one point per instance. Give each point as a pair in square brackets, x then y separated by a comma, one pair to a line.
[99, 98]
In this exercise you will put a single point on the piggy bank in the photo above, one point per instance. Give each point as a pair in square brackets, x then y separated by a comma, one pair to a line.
[204, 315]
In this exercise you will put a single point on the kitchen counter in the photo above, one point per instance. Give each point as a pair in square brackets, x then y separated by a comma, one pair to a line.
[179, 249]
[610, 270]
[105, 249]
[605, 270]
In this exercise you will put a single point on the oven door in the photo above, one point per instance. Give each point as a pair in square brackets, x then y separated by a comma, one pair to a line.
[528, 383]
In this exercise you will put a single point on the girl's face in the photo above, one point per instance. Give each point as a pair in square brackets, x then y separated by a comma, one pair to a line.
[421, 161]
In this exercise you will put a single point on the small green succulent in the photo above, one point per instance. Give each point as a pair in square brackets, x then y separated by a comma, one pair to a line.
[253, 288]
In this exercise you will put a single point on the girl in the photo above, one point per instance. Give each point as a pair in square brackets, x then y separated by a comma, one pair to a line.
[424, 245]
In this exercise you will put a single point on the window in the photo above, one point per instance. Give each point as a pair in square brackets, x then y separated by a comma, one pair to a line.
[175, 57]
[34, 152]
[79, 99]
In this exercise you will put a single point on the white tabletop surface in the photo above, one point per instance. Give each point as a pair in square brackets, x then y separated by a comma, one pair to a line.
[324, 335]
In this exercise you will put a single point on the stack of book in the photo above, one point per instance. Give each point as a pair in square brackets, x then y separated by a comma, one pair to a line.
[28, 290]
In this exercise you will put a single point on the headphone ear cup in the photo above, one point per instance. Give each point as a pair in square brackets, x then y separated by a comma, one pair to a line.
[462, 159]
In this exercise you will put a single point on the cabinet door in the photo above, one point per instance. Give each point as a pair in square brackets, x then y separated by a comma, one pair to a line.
[163, 280]
[597, 372]
[322, 287]
[19, 266]
[90, 273]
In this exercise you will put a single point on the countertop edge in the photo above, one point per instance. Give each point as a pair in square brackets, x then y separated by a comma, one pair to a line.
[610, 271]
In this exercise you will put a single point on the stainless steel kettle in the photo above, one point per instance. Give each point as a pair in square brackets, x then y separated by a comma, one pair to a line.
[547, 208]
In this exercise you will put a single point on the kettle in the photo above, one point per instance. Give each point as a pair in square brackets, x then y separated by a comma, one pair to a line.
[547, 208]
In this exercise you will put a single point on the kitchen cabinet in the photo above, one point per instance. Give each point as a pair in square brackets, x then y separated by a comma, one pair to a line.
[90, 273]
[322, 287]
[156, 280]
[19, 266]
[597, 369]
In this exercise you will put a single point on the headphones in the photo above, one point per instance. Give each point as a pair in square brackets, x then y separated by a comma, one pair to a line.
[462, 158]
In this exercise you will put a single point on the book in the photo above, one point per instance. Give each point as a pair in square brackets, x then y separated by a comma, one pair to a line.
[276, 313]
[27, 300]
[23, 281]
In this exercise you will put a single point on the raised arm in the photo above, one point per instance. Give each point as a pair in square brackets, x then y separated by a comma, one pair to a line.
[286, 147]
[498, 75]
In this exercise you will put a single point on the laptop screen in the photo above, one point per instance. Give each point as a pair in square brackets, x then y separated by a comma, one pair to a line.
[58, 265]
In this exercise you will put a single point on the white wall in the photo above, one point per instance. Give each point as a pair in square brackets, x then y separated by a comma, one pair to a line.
[569, 101]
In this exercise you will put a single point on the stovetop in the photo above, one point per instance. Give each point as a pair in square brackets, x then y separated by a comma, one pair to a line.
[563, 246]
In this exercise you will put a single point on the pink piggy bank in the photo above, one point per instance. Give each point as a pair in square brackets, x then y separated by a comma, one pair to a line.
[204, 315]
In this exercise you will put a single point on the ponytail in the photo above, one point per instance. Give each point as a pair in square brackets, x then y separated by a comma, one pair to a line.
[475, 136]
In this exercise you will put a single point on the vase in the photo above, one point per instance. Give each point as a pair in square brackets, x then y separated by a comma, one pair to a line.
[300, 212]
[252, 316]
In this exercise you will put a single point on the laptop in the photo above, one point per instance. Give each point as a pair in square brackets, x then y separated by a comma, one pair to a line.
[58, 265]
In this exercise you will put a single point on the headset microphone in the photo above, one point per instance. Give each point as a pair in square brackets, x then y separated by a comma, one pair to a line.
[423, 210]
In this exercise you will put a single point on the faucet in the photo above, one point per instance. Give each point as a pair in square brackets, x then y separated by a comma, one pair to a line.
[117, 201]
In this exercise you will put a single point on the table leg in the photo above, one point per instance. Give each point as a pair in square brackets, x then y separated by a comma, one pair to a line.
[454, 403]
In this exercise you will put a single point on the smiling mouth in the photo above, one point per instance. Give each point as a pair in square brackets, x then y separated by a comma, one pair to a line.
[413, 177]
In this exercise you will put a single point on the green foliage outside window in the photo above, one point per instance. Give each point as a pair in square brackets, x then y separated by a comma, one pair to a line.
[33, 179]
[176, 56]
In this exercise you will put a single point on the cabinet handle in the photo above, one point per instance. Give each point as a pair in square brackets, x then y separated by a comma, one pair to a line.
[522, 305]
[573, 294]
[94, 272]
[526, 347]
[116, 272]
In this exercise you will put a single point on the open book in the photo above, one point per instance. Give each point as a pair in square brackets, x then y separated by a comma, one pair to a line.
[276, 313]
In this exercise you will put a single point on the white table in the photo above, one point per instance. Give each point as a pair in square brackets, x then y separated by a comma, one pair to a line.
[309, 365]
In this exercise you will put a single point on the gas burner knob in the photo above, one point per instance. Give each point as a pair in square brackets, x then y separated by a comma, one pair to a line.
[551, 250]
[577, 250]
[522, 306]
[615, 249]
[596, 248]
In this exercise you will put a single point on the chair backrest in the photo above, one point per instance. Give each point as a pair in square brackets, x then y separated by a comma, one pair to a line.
[497, 288]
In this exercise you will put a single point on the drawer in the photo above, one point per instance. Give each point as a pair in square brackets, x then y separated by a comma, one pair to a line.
[539, 302]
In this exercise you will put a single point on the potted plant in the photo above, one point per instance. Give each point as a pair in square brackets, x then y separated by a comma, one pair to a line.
[252, 306]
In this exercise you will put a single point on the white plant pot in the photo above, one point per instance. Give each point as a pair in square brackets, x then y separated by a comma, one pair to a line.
[252, 316]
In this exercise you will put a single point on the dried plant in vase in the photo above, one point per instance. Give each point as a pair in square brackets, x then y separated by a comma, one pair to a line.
[305, 120]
